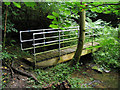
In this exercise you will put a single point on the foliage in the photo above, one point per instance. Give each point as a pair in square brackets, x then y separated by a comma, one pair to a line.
[17, 4]
[6, 57]
[55, 74]
[98, 25]
[58, 73]
[10, 27]
[24, 19]
[69, 12]
[108, 55]
[77, 83]
[104, 7]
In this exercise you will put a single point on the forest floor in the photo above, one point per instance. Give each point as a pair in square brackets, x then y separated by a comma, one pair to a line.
[89, 76]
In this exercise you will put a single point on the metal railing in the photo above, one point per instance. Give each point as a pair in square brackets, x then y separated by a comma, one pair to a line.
[59, 38]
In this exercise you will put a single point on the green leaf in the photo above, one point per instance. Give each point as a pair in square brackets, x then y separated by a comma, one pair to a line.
[97, 46]
[69, 3]
[88, 48]
[67, 24]
[62, 28]
[63, 16]
[63, 5]
[99, 11]
[55, 22]
[51, 17]
[74, 11]
[100, 6]
[17, 5]
[53, 26]
[55, 14]
[93, 9]
[61, 9]
[30, 4]
[7, 3]
[67, 12]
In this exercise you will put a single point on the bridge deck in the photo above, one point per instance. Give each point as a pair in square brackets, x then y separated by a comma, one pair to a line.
[51, 58]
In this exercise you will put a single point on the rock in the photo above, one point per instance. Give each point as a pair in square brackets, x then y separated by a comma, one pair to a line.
[107, 71]
[97, 68]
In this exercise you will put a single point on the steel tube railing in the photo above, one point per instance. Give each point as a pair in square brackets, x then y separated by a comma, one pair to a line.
[54, 41]
[59, 41]
[45, 38]
[47, 45]
[44, 32]
[53, 32]
[41, 39]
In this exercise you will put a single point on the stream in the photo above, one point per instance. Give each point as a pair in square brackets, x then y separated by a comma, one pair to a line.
[97, 79]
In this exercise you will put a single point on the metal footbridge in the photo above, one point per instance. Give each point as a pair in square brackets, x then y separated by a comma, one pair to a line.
[52, 46]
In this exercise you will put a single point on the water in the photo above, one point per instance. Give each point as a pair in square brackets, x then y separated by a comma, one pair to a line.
[96, 79]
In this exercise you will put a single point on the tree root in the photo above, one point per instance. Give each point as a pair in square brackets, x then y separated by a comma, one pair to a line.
[25, 74]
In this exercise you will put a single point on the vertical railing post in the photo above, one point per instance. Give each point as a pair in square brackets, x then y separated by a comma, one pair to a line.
[21, 41]
[44, 36]
[34, 50]
[59, 46]
[63, 37]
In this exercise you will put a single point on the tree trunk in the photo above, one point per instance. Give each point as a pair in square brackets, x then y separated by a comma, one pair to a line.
[81, 39]
[5, 27]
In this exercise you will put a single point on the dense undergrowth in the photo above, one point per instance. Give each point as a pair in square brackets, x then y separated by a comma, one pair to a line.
[58, 74]
[108, 55]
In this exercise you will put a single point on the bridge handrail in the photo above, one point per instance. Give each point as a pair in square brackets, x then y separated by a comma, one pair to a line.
[59, 41]
[54, 41]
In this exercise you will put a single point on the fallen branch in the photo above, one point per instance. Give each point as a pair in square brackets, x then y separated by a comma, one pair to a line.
[12, 73]
[25, 74]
